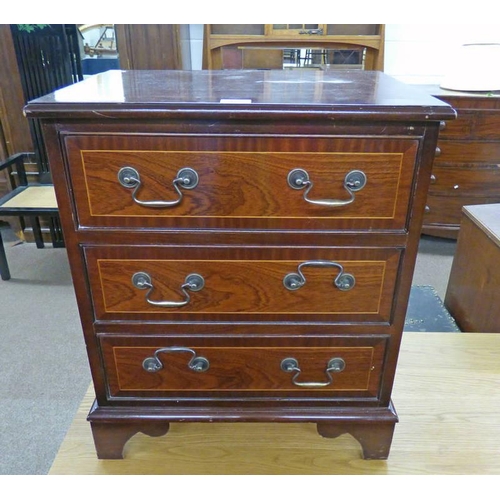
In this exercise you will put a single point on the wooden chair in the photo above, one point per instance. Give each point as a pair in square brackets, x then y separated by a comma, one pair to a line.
[30, 200]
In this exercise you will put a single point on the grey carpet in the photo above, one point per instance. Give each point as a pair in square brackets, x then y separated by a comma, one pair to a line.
[44, 370]
[43, 364]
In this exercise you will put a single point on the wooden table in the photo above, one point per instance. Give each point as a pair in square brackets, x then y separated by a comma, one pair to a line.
[447, 394]
[473, 291]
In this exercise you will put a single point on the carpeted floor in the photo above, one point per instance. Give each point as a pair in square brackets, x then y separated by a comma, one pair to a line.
[43, 364]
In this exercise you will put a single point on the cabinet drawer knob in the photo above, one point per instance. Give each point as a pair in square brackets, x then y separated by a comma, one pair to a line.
[193, 283]
[291, 365]
[343, 281]
[196, 363]
[353, 181]
[129, 177]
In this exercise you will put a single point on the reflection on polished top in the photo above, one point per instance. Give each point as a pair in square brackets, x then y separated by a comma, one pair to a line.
[240, 89]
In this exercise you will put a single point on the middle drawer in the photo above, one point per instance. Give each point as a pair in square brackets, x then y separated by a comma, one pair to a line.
[206, 283]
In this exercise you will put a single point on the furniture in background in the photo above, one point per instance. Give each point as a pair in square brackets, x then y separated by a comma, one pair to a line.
[153, 46]
[271, 46]
[42, 58]
[39, 59]
[473, 293]
[30, 200]
[242, 260]
[466, 168]
[15, 133]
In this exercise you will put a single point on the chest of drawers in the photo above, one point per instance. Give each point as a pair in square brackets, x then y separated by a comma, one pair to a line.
[242, 243]
[466, 168]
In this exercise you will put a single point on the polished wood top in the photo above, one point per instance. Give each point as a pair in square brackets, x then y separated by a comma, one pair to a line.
[446, 394]
[353, 93]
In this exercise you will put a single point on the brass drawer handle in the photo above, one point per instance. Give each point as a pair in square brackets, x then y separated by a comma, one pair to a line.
[291, 365]
[193, 283]
[353, 181]
[344, 281]
[129, 177]
[196, 363]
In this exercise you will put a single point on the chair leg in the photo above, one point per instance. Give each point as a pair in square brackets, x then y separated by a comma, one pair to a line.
[37, 232]
[4, 266]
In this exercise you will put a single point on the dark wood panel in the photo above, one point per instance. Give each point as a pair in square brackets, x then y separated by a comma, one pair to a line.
[460, 128]
[15, 126]
[487, 126]
[243, 284]
[466, 167]
[149, 46]
[446, 210]
[239, 371]
[467, 180]
[269, 95]
[461, 151]
[242, 177]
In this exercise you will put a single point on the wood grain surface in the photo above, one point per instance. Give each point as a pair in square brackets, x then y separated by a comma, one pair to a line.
[447, 398]
[241, 369]
[241, 177]
[242, 281]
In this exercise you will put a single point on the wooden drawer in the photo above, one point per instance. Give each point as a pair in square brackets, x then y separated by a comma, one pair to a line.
[477, 180]
[447, 210]
[463, 152]
[157, 368]
[243, 284]
[472, 125]
[241, 180]
[460, 128]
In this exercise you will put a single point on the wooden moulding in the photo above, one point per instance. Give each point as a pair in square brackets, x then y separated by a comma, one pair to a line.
[112, 427]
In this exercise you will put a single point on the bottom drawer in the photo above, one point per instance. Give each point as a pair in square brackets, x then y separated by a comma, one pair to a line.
[158, 368]
[447, 210]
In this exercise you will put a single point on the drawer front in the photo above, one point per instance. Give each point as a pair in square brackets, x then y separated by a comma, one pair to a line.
[241, 181]
[461, 152]
[460, 128]
[242, 284]
[447, 210]
[478, 180]
[152, 367]
[487, 125]
[472, 124]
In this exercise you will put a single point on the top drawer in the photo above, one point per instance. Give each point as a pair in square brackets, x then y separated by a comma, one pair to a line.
[234, 182]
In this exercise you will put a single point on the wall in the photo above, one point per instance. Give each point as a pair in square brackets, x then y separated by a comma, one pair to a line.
[414, 53]
[423, 53]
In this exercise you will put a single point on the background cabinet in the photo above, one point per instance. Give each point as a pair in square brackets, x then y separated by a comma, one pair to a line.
[466, 167]
[273, 46]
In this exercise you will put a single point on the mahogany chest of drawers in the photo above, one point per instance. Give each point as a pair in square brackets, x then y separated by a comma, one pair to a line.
[467, 165]
[242, 243]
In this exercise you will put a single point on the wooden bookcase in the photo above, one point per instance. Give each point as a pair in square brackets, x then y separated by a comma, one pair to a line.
[273, 46]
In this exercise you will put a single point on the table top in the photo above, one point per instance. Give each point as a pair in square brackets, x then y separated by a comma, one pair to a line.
[447, 395]
[437, 90]
[487, 217]
[369, 93]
